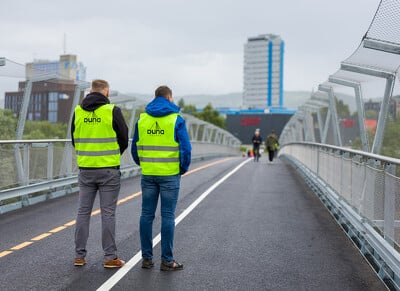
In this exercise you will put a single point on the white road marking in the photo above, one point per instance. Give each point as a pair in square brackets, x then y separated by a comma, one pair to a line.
[95, 212]
[114, 279]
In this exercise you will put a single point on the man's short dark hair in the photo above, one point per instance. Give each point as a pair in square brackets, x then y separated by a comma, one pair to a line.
[99, 85]
[163, 91]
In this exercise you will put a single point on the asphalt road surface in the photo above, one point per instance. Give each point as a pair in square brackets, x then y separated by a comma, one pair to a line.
[241, 226]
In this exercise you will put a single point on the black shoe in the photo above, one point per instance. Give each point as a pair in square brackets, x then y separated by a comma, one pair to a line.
[170, 266]
[147, 264]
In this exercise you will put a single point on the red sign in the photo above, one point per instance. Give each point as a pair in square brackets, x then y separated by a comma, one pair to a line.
[247, 121]
[371, 124]
[348, 123]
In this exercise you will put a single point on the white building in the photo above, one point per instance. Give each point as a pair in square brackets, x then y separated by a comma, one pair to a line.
[263, 72]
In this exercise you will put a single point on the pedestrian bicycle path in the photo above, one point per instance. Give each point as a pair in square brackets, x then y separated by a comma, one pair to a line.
[260, 229]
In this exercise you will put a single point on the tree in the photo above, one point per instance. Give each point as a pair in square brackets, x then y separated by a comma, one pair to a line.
[211, 115]
[8, 124]
[341, 108]
[208, 114]
[391, 139]
[126, 114]
[371, 114]
[189, 109]
[181, 103]
[44, 130]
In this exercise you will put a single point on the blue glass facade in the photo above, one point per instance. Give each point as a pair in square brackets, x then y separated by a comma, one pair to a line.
[281, 75]
[270, 53]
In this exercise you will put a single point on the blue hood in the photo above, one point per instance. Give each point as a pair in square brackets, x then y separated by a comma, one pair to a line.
[160, 106]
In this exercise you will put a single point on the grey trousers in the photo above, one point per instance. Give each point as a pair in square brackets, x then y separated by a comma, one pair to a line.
[107, 182]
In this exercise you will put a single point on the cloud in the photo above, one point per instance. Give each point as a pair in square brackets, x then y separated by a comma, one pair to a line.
[197, 46]
[187, 73]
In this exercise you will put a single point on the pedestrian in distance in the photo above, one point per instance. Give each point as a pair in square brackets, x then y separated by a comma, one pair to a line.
[257, 141]
[99, 135]
[162, 148]
[272, 145]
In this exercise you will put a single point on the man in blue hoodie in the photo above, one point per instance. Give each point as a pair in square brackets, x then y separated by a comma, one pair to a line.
[161, 147]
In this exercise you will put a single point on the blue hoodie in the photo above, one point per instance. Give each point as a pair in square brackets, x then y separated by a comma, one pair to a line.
[160, 106]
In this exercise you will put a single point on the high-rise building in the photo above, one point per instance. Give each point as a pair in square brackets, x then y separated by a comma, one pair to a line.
[263, 72]
[50, 99]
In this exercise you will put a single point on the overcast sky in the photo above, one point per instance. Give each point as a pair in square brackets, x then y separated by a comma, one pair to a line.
[194, 46]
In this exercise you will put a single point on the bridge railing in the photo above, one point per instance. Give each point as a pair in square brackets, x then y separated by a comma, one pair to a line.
[362, 191]
[356, 108]
[36, 170]
[357, 105]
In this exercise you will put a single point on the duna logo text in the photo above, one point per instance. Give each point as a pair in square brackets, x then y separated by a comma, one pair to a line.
[155, 130]
[92, 120]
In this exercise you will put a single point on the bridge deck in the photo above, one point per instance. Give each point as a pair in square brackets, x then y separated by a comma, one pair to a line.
[261, 229]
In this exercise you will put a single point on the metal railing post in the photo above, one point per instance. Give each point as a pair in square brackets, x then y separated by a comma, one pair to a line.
[65, 169]
[26, 164]
[50, 158]
[380, 128]
[389, 203]
[20, 130]
[361, 118]
[196, 133]
[68, 161]
[326, 126]
[24, 110]
[335, 120]
[360, 107]
[18, 163]
[320, 124]
[131, 124]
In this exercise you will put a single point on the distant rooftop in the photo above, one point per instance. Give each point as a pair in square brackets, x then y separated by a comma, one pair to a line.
[264, 37]
[272, 110]
[44, 61]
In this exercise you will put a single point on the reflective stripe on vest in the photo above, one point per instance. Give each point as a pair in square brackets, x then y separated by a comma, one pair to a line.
[97, 154]
[159, 160]
[157, 149]
[95, 139]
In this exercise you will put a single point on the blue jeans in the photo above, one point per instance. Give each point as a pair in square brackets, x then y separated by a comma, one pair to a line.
[167, 187]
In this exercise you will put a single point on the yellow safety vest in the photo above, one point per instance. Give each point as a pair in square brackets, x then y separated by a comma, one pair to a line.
[157, 149]
[95, 139]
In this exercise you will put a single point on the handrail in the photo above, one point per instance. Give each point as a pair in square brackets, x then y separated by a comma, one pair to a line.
[24, 141]
[385, 159]
[361, 191]
[47, 165]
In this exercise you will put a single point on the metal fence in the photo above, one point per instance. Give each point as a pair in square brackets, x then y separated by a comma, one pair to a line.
[362, 191]
[36, 170]
[344, 141]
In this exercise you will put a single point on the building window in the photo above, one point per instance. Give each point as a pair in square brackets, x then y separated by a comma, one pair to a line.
[7, 104]
[37, 99]
[53, 107]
